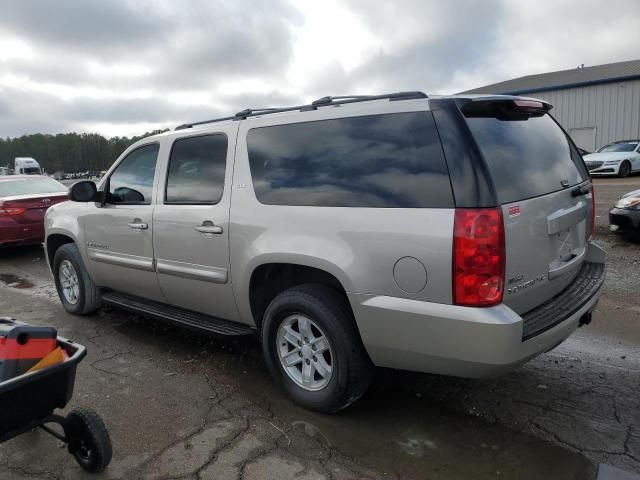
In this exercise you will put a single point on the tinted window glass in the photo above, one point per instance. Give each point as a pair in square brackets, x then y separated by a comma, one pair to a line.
[392, 160]
[527, 157]
[196, 170]
[619, 147]
[132, 181]
[30, 186]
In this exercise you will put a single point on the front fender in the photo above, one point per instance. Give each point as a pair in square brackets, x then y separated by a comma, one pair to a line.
[64, 219]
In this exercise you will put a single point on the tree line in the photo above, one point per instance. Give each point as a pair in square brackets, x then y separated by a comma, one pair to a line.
[67, 152]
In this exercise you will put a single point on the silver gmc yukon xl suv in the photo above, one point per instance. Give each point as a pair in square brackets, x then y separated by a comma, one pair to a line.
[450, 235]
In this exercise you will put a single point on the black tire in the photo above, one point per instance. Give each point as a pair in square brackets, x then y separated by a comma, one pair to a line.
[625, 169]
[89, 298]
[89, 440]
[352, 368]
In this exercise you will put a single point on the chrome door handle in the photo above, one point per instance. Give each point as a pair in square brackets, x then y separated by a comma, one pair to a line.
[208, 227]
[138, 225]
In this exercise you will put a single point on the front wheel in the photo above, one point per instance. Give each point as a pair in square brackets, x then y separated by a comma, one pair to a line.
[76, 290]
[312, 348]
[89, 440]
[625, 169]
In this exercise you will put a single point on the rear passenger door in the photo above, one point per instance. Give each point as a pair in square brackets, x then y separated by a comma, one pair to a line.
[191, 223]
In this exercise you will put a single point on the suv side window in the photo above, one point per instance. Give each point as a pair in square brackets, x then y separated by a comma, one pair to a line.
[385, 161]
[196, 170]
[132, 181]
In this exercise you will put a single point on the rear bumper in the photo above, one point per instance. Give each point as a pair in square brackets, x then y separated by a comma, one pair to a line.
[464, 341]
[21, 234]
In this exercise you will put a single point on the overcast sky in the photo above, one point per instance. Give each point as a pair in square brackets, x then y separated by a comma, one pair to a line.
[121, 67]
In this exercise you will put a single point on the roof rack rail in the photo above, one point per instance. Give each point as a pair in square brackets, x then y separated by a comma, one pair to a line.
[327, 100]
[321, 102]
[242, 115]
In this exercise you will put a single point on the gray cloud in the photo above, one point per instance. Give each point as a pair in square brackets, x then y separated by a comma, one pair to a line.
[22, 112]
[181, 47]
[84, 25]
[91, 60]
[46, 113]
[456, 35]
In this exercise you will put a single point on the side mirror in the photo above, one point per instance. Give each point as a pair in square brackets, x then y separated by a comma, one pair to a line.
[85, 191]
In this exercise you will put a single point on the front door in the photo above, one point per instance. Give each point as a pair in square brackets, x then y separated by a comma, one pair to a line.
[191, 224]
[119, 235]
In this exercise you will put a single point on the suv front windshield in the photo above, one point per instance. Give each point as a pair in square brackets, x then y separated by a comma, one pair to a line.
[619, 147]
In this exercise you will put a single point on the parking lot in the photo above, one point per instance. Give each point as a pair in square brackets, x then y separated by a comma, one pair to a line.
[184, 405]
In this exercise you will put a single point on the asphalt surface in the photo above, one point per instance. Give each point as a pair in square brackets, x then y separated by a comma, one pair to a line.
[182, 405]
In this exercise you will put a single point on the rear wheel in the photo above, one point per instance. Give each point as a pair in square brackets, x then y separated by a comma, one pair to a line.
[77, 292]
[625, 169]
[313, 349]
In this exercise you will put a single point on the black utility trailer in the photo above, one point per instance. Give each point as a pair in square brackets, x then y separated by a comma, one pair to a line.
[29, 401]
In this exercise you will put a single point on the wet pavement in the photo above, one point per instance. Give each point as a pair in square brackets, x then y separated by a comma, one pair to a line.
[183, 405]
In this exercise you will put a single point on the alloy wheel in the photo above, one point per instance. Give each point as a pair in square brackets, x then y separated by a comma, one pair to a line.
[69, 282]
[305, 353]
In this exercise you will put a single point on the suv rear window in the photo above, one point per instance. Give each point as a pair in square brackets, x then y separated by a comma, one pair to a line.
[393, 160]
[528, 156]
[30, 186]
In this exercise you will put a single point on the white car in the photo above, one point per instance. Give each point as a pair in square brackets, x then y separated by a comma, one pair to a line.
[618, 158]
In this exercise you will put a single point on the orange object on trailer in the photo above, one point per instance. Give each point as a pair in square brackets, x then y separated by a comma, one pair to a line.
[22, 346]
[55, 357]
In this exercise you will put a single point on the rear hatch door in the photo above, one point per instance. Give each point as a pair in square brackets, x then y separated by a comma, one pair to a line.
[545, 194]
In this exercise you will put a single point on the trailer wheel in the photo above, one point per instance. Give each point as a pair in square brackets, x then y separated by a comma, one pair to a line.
[89, 440]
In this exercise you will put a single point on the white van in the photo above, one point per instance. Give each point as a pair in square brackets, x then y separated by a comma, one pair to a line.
[27, 166]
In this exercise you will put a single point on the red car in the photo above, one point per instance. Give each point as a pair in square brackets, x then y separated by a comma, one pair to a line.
[24, 199]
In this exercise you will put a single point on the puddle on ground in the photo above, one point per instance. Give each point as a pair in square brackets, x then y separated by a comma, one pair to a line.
[392, 431]
[14, 281]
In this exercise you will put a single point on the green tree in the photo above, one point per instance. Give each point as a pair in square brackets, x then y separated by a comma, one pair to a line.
[68, 152]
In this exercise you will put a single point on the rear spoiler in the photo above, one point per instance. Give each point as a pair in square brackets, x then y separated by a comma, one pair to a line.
[504, 108]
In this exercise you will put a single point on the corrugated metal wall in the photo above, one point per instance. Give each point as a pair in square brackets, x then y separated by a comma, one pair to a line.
[612, 108]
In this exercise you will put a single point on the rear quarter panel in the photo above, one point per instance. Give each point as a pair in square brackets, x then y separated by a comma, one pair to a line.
[359, 246]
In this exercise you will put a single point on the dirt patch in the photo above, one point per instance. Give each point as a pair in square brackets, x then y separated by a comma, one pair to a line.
[14, 281]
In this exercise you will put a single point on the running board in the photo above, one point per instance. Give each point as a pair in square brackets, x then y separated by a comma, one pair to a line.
[179, 316]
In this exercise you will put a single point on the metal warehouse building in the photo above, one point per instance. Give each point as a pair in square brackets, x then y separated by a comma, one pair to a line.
[596, 105]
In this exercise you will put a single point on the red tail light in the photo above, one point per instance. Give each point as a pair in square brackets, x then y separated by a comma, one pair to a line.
[478, 257]
[593, 212]
[12, 211]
